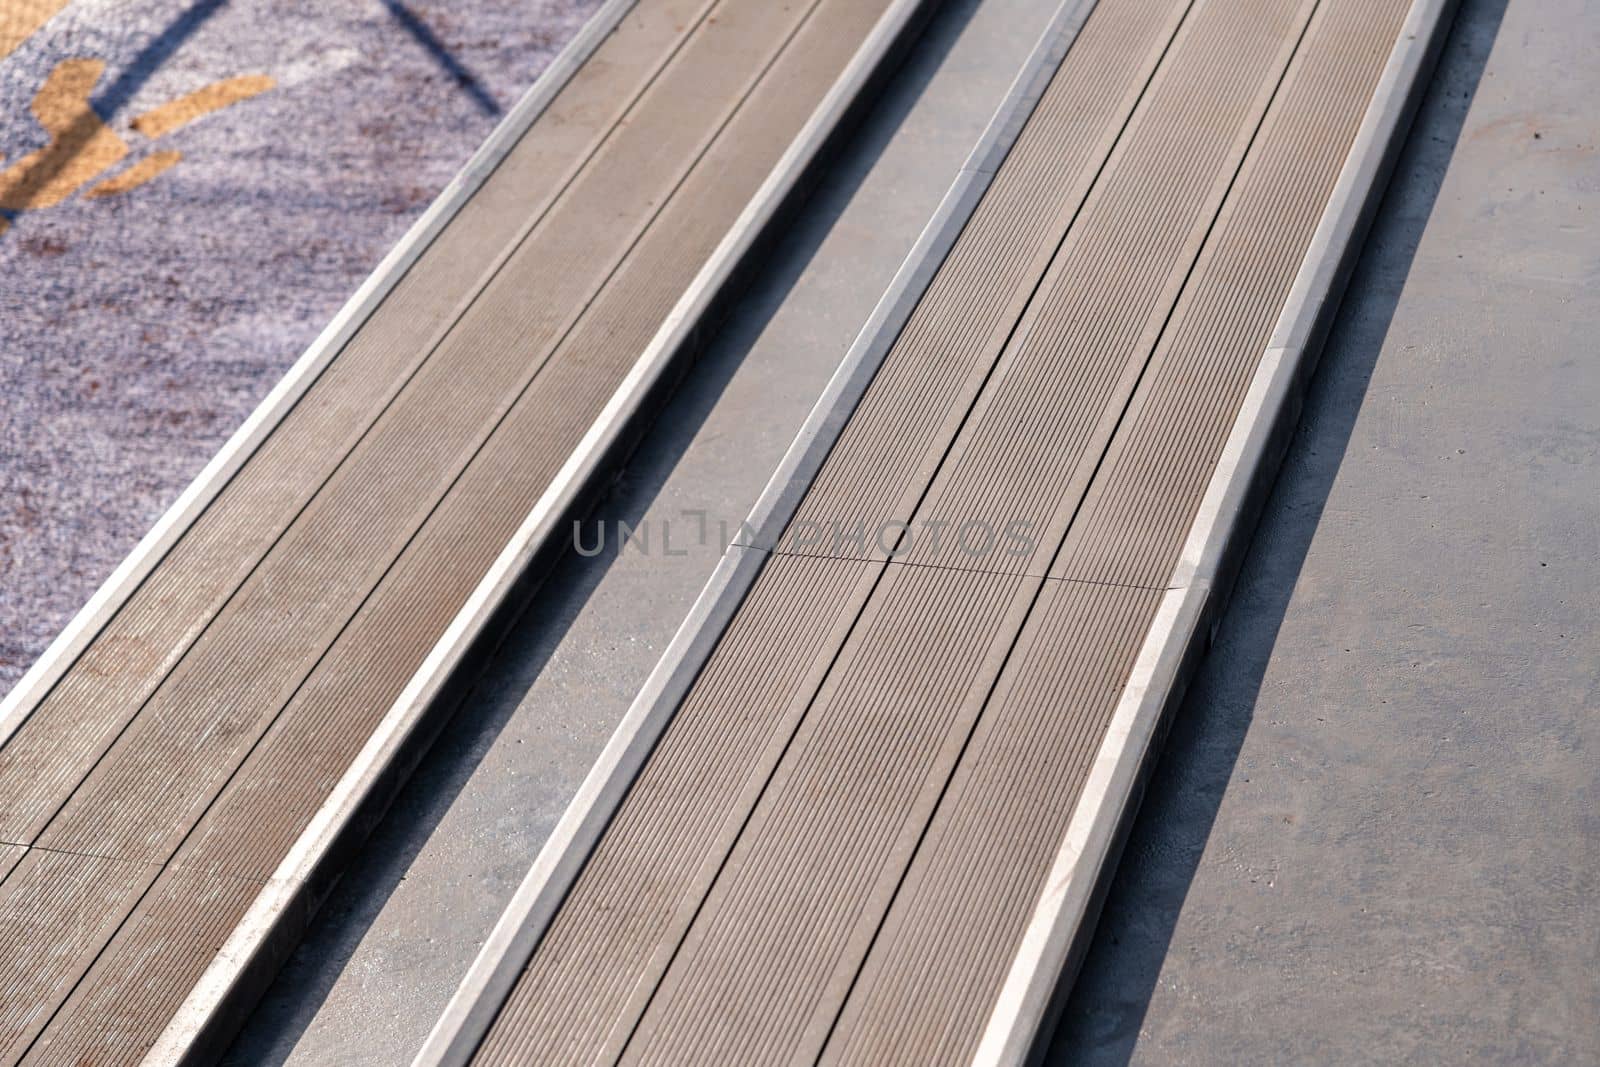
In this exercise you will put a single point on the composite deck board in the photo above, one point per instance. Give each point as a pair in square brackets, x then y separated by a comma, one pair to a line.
[856, 888]
[959, 914]
[858, 783]
[586, 986]
[685, 809]
[139, 978]
[878, 738]
[1139, 510]
[1035, 434]
[161, 772]
[334, 712]
[49, 938]
[65, 735]
[877, 471]
[166, 775]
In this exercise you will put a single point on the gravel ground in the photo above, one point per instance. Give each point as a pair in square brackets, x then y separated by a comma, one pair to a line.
[137, 330]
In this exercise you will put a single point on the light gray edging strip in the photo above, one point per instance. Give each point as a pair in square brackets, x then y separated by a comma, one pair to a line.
[277, 916]
[33, 686]
[1063, 921]
[517, 933]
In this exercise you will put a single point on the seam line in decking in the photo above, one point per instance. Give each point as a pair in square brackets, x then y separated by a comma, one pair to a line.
[733, 580]
[1023, 630]
[1186, 588]
[921, 564]
[264, 728]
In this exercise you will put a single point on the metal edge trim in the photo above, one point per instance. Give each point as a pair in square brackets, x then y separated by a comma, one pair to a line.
[59, 656]
[1062, 923]
[274, 920]
[522, 924]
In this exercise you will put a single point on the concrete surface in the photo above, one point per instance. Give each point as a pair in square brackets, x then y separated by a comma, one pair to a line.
[1374, 835]
[389, 947]
[137, 330]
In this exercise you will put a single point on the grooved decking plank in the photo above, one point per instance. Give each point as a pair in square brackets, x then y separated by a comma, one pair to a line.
[1020, 456]
[335, 711]
[875, 745]
[1144, 499]
[861, 891]
[557, 1011]
[1029, 447]
[233, 751]
[923, 993]
[73, 725]
[894, 441]
[581, 993]
[958, 918]
[117, 1011]
[56, 910]
[146, 792]
[782, 932]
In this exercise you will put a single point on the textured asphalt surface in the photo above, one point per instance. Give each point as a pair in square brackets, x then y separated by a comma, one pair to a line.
[138, 330]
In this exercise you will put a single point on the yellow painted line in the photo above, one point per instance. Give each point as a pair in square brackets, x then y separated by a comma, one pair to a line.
[135, 176]
[81, 146]
[201, 102]
[20, 18]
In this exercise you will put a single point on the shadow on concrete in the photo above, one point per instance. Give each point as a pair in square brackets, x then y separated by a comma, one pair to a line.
[1105, 1009]
[308, 977]
[431, 44]
[150, 59]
